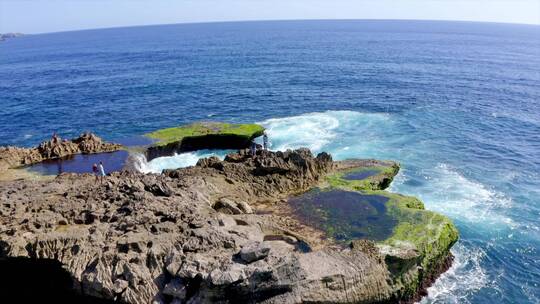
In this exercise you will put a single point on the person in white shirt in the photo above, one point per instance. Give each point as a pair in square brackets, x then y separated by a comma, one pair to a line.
[101, 171]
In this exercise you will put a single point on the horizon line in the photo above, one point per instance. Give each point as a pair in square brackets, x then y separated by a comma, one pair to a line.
[271, 20]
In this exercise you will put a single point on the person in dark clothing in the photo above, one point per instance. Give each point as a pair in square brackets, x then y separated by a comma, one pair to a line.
[265, 141]
[96, 171]
[253, 149]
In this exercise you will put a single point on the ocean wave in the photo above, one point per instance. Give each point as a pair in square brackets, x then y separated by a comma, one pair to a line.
[465, 277]
[337, 132]
[445, 190]
[182, 160]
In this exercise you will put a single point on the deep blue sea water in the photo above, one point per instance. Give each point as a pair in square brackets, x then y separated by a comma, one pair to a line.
[458, 104]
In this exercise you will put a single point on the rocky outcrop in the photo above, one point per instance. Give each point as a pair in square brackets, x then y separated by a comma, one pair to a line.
[87, 143]
[202, 135]
[209, 233]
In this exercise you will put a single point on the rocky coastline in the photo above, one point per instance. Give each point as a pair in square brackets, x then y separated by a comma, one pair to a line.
[86, 143]
[222, 231]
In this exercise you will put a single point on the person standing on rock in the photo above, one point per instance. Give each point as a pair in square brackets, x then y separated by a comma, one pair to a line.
[55, 138]
[101, 171]
[95, 170]
[265, 141]
[253, 149]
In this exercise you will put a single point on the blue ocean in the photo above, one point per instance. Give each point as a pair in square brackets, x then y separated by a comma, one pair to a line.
[456, 103]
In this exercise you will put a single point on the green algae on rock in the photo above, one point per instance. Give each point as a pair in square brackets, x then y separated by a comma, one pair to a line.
[363, 174]
[429, 234]
[202, 135]
[418, 248]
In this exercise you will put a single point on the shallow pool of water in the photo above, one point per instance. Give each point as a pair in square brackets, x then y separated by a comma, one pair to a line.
[81, 163]
[360, 175]
[345, 215]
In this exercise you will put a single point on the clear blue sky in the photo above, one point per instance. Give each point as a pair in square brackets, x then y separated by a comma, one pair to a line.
[39, 16]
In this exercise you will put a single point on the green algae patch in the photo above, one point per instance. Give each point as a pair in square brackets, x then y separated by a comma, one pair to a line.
[364, 178]
[171, 135]
[415, 251]
[428, 234]
[431, 233]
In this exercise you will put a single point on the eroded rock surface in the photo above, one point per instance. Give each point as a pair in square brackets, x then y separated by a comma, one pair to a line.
[208, 233]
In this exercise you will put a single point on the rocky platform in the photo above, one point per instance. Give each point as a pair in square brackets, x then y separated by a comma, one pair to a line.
[220, 231]
[87, 143]
[202, 135]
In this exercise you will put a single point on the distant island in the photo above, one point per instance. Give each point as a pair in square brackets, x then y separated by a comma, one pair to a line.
[9, 36]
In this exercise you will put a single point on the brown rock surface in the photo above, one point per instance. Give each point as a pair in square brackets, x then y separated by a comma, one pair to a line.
[189, 235]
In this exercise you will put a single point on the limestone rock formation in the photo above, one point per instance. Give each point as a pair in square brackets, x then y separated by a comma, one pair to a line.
[87, 143]
[209, 233]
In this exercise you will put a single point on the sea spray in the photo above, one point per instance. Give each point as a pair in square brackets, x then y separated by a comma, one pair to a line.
[182, 160]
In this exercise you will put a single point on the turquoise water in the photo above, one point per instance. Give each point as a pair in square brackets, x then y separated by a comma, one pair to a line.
[458, 104]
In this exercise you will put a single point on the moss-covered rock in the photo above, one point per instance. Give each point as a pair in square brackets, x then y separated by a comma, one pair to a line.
[418, 248]
[202, 135]
[363, 174]
[430, 234]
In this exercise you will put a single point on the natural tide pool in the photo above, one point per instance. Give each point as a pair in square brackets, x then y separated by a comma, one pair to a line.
[81, 163]
[345, 215]
[360, 175]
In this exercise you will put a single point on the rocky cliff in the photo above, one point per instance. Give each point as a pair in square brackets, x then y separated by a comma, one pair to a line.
[220, 231]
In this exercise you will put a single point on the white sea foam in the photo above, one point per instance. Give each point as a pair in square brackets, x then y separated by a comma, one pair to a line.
[449, 192]
[157, 165]
[331, 131]
[311, 131]
[464, 277]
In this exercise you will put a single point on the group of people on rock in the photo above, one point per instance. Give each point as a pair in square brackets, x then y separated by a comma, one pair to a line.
[55, 139]
[99, 171]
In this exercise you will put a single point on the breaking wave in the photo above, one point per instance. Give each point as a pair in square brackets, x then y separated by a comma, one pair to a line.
[157, 165]
[464, 277]
[445, 190]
